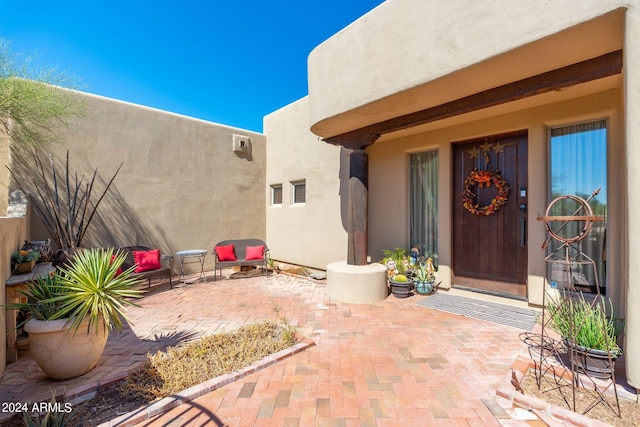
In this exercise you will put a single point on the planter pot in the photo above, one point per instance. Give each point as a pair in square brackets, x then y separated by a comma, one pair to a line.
[423, 288]
[25, 267]
[400, 289]
[59, 352]
[595, 363]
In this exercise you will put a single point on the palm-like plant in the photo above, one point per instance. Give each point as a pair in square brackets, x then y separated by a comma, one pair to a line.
[39, 294]
[92, 289]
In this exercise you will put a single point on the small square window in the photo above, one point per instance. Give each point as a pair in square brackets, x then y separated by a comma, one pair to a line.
[276, 194]
[299, 194]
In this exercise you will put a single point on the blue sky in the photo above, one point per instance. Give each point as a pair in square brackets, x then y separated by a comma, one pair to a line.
[230, 62]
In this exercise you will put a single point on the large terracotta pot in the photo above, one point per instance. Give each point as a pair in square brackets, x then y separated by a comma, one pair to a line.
[59, 352]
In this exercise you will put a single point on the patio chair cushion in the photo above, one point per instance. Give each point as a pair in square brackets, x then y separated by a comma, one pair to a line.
[119, 271]
[226, 253]
[147, 260]
[255, 252]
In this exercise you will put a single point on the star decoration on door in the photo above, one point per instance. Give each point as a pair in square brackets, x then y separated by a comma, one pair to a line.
[473, 152]
[499, 147]
[486, 146]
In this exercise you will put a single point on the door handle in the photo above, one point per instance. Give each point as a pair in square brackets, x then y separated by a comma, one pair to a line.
[523, 232]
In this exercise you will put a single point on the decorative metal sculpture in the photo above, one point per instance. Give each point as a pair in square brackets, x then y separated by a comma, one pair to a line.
[563, 299]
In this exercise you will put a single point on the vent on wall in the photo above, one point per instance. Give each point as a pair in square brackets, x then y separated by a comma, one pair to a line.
[241, 144]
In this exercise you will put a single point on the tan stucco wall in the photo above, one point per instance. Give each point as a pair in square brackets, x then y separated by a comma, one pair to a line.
[181, 185]
[631, 275]
[13, 232]
[312, 234]
[423, 53]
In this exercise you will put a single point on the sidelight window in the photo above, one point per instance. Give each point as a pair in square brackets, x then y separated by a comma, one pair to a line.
[578, 166]
[423, 200]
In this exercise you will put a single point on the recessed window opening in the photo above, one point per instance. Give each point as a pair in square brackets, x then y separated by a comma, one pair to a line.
[299, 192]
[423, 203]
[578, 166]
[276, 194]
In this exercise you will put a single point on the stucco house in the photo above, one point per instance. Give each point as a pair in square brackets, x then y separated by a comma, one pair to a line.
[403, 105]
[419, 93]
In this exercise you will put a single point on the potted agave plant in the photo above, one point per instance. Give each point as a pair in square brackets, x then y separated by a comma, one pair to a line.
[587, 332]
[73, 310]
[424, 276]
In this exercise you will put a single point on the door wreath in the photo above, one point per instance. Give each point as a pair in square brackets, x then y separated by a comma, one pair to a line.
[482, 179]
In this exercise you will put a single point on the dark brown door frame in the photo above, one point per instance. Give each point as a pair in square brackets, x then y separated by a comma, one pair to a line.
[499, 266]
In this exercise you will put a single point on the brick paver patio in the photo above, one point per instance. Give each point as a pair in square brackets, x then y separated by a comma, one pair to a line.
[392, 363]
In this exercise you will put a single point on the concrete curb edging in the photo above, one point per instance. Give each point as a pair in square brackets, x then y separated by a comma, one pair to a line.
[506, 390]
[149, 411]
[87, 391]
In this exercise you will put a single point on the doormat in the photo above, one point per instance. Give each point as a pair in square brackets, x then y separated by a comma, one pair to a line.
[516, 317]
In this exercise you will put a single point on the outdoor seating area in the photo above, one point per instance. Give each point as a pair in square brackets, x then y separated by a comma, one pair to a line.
[240, 253]
[150, 263]
[367, 364]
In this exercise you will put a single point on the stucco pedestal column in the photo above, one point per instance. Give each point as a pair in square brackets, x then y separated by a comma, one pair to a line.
[357, 284]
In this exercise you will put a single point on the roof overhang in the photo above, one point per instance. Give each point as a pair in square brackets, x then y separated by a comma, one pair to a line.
[586, 56]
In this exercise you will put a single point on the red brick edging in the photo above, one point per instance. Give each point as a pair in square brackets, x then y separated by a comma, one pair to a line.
[520, 367]
[146, 412]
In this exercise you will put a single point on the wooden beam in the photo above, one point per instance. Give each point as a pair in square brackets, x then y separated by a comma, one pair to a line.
[358, 220]
[592, 69]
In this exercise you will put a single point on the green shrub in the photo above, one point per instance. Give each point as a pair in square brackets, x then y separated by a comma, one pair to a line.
[585, 323]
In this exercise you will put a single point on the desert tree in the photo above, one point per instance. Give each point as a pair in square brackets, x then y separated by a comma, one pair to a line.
[35, 102]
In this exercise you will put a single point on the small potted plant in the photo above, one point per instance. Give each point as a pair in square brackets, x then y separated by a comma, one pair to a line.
[424, 276]
[72, 311]
[587, 332]
[24, 260]
[398, 272]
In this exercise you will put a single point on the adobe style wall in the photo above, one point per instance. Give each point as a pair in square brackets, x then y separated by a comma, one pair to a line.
[181, 185]
[405, 56]
[314, 233]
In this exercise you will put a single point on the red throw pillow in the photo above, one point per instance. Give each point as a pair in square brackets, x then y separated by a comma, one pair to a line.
[147, 260]
[226, 253]
[119, 271]
[255, 252]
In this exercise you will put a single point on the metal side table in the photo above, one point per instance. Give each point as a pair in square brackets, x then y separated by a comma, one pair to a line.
[192, 256]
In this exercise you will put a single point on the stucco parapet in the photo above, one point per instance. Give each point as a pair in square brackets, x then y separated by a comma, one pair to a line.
[404, 44]
[153, 110]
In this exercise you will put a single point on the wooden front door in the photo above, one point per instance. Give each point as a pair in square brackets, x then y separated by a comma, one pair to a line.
[490, 251]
